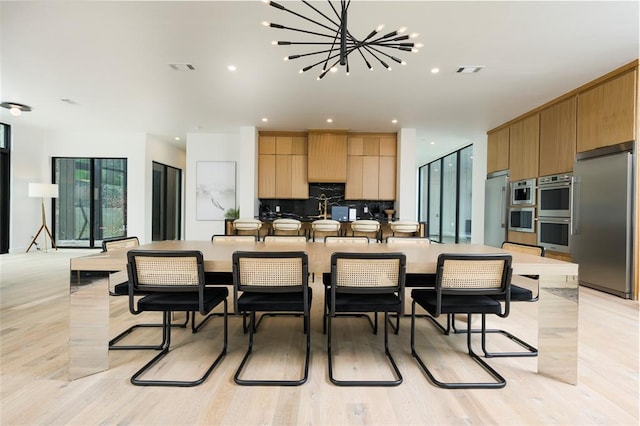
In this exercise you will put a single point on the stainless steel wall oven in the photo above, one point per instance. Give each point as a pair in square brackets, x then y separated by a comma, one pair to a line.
[555, 199]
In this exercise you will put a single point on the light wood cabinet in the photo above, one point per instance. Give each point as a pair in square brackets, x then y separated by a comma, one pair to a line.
[498, 150]
[282, 167]
[558, 137]
[371, 167]
[327, 157]
[607, 113]
[524, 143]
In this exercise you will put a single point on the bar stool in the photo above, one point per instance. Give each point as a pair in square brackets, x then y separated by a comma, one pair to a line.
[286, 227]
[404, 228]
[325, 227]
[247, 226]
[366, 228]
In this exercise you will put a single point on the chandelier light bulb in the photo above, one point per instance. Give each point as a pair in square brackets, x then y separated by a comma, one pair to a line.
[414, 35]
[379, 27]
[402, 30]
[403, 63]
[265, 23]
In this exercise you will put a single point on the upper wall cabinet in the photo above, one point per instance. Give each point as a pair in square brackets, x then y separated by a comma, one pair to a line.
[524, 148]
[607, 113]
[282, 167]
[371, 167]
[327, 157]
[498, 150]
[558, 137]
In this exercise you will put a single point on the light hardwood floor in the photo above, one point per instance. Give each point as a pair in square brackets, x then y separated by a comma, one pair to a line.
[34, 297]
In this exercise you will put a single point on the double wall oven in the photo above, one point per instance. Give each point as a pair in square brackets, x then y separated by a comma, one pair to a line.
[522, 213]
[555, 199]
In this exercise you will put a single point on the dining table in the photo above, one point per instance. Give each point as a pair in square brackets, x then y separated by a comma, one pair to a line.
[557, 319]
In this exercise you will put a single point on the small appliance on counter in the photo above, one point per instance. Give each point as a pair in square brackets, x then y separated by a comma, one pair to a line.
[340, 213]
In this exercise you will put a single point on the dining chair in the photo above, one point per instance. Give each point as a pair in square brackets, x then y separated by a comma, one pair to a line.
[173, 281]
[519, 293]
[360, 283]
[466, 284]
[367, 228]
[404, 228]
[225, 278]
[122, 289]
[411, 279]
[286, 226]
[247, 226]
[325, 227]
[272, 282]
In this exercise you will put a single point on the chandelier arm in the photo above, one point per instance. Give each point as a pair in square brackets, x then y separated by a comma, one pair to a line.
[326, 70]
[321, 13]
[361, 54]
[279, 6]
[385, 54]
[332, 49]
[302, 55]
[283, 27]
[308, 67]
[368, 49]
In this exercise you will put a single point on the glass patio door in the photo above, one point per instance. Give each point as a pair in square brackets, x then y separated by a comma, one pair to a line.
[92, 202]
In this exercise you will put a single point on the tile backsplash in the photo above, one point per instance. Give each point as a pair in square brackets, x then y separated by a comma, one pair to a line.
[334, 192]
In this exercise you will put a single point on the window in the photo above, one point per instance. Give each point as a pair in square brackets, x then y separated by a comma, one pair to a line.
[92, 201]
[5, 177]
[445, 197]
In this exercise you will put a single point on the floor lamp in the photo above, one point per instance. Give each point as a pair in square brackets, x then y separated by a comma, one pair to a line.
[43, 190]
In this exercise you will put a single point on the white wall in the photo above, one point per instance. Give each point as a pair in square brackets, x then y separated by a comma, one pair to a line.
[240, 147]
[31, 161]
[406, 187]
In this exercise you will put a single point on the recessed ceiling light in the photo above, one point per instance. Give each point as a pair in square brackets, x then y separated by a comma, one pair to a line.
[432, 143]
[435, 70]
[265, 119]
[15, 108]
[232, 68]
[329, 120]
[394, 121]
[177, 138]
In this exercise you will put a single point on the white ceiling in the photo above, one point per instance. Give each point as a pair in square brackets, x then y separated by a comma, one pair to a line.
[111, 59]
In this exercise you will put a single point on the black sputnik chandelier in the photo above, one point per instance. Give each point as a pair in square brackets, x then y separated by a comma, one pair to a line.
[336, 42]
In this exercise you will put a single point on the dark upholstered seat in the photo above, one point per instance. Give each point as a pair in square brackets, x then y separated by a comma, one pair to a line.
[174, 281]
[466, 284]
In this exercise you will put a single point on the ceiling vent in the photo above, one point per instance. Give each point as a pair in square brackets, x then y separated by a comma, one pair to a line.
[469, 69]
[182, 67]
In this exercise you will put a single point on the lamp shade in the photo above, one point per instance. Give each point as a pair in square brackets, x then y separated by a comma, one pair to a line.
[43, 190]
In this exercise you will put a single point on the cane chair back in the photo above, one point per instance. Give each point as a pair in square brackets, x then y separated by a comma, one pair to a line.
[285, 239]
[408, 241]
[233, 239]
[346, 240]
[120, 243]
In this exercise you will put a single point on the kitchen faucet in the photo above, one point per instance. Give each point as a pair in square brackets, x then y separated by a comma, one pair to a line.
[322, 208]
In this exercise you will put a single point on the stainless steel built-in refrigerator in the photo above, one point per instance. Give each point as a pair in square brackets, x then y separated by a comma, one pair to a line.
[602, 239]
[496, 202]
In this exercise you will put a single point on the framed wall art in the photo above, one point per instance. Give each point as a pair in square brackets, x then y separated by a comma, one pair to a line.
[215, 189]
